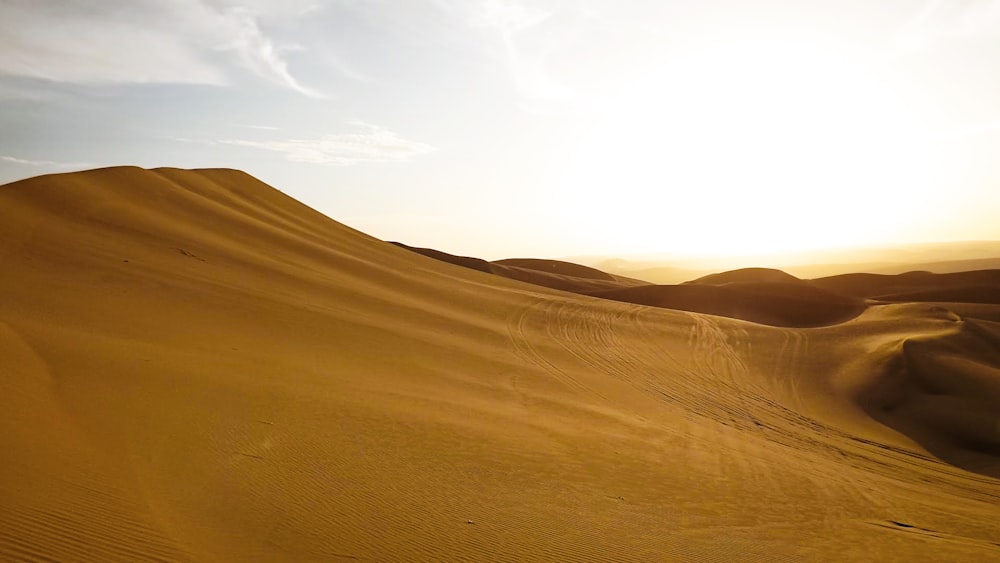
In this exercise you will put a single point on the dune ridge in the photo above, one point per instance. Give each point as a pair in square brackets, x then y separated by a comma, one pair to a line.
[759, 295]
[197, 367]
[555, 274]
[558, 267]
[747, 275]
[977, 286]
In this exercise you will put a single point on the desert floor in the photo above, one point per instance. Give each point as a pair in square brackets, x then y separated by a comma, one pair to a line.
[194, 366]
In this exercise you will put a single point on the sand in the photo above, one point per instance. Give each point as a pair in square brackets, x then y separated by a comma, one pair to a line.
[555, 274]
[197, 367]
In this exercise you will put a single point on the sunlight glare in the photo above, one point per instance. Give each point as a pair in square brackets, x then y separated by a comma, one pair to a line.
[752, 146]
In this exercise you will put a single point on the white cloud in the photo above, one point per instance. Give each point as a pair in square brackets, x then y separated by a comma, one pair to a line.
[375, 144]
[74, 44]
[44, 163]
[145, 41]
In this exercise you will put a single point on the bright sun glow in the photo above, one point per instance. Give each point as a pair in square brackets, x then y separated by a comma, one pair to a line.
[752, 146]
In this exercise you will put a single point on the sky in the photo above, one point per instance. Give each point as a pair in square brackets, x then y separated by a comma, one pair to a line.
[546, 128]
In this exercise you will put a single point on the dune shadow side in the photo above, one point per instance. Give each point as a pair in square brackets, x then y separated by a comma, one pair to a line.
[943, 392]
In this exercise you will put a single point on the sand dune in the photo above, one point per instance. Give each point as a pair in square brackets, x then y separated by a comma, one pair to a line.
[747, 275]
[558, 267]
[197, 367]
[759, 295]
[651, 272]
[982, 286]
[554, 274]
[944, 266]
[940, 258]
[770, 303]
[943, 391]
[463, 261]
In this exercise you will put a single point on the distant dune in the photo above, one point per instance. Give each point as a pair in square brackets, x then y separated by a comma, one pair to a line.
[657, 274]
[770, 303]
[937, 267]
[981, 286]
[748, 275]
[196, 367]
[558, 267]
[943, 266]
[555, 274]
[463, 261]
[760, 295]
[940, 258]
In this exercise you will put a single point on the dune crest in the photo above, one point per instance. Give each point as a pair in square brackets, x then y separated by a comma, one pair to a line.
[197, 367]
[747, 275]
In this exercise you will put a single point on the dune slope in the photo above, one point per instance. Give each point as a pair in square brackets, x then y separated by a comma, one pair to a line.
[196, 367]
[769, 303]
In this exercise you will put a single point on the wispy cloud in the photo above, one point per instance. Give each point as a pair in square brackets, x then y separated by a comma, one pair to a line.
[257, 52]
[145, 41]
[44, 163]
[561, 55]
[374, 144]
[525, 58]
[260, 127]
[528, 36]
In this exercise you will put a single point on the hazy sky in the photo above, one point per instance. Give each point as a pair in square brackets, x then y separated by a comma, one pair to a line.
[502, 128]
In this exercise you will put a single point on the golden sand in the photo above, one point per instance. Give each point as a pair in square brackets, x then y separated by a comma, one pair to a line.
[194, 366]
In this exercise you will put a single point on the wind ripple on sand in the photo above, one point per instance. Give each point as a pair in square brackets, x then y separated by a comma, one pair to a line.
[195, 366]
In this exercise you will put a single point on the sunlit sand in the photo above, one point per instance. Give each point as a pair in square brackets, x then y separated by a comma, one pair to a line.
[195, 366]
